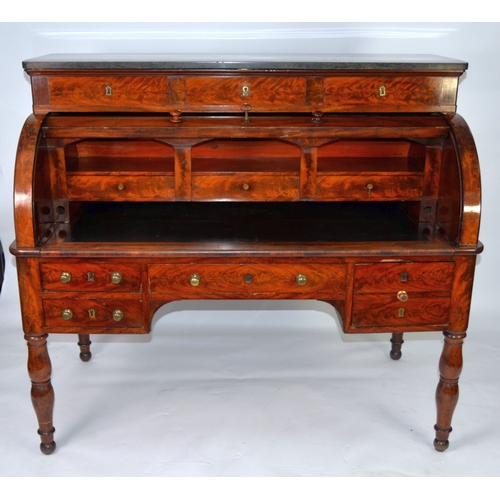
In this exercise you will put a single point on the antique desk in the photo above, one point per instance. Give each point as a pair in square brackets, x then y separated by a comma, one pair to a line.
[144, 180]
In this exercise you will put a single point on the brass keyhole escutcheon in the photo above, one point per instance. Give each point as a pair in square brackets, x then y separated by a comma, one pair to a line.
[65, 277]
[91, 313]
[90, 276]
[116, 278]
[301, 279]
[382, 91]
[401, 312]
[118, 315]
[245, 91]
[195, 280]
[402, 296]
[246, 187]
[67, 314]
[109, 90]
[248, 279]
[404, 277]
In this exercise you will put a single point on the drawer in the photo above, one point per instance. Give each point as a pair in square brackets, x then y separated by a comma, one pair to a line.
[109, 92]
[120, 188]
[247, 278]
[245, 187]
[380, 310]
[90, 276]
[231, 92]
[386, 93]
[408, 276]
[369, 188]
[98, 313]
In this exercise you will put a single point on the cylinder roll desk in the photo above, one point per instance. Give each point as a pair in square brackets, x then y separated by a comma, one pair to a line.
[145, 180]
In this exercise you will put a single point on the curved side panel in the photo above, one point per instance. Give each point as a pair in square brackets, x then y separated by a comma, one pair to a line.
[24, 182]
[470, 182]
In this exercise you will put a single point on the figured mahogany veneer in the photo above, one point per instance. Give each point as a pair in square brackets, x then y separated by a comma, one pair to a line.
[143, 181]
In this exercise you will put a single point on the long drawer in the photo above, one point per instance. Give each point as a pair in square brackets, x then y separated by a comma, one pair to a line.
[250, 278]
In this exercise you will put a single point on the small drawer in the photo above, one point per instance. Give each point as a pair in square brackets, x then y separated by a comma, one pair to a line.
[369, 188]
[247, 278]
[120, 188]
[108, 92]
[391, 93]
[96, 313]
[245, 187]
[90, 276]
[381, 310]
[408, 276]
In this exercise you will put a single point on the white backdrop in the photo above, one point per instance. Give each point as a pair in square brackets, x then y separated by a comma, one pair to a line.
[478, 102]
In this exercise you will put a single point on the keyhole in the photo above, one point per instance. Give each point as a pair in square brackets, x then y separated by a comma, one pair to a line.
[109, 90]
[245, 91]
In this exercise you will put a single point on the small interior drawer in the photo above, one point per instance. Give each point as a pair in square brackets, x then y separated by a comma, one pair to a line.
[121, 187]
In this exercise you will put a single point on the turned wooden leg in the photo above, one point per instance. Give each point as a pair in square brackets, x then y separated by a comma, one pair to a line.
[84, 343]
[450, 367]
[42, 393]
[396, 341]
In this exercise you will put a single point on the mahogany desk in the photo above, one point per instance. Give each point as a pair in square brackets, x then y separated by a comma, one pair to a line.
[142, 180]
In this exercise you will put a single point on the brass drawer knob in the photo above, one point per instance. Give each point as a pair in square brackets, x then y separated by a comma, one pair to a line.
[121, 187]
[246, 187]
[116, 278]
[67, 314]
[65, 277]
[402, 296]
[195, 280]
[301, 279]
[118, 315]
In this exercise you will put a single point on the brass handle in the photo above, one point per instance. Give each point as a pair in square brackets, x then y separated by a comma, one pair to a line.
[246, 187]
[402, 296]
[195, 280]
[67, 314]
[121, 187]
[65, 277]
[116, 278]
[118, 315]
[301, 279]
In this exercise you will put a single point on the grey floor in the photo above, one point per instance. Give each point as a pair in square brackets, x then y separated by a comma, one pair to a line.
[247, 389]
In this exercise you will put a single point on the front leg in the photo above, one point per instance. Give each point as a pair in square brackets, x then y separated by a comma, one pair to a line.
[42, 393]
[450, 367]
[84, 344]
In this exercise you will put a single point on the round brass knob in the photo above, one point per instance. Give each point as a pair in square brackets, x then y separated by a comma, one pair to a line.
[402, 296]
[370, 186]
[118, 315]
[67, 314]
[116, 278]
[121, 187]
[195, 280]
[65, 277]
[301, 279]
[246, 187]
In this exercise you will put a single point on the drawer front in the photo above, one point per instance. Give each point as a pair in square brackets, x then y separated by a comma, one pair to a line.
[391, 93]
[121, 188]
[369, 188]
[90, 276]
[70, 313]
[405, 276]
[244, 187]
[247, 278]
[110, 92]
[387, 310]
[231, 92]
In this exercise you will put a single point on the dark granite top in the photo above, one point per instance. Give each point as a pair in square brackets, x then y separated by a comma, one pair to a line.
[269, 62]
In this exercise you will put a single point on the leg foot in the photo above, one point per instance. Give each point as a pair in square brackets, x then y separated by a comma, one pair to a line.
[396, 341]
[450, 367]
[84, 343]
[42, 393]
